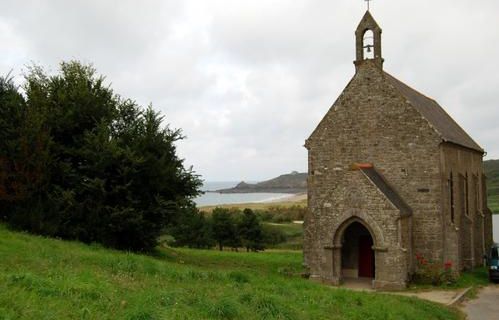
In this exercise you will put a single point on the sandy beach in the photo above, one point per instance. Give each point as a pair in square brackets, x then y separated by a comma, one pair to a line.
[299, 197]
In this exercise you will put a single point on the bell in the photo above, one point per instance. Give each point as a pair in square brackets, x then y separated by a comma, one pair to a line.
[369, 49]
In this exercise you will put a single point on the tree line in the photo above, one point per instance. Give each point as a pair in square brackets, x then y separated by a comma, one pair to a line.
[224, 227]
[78, 161]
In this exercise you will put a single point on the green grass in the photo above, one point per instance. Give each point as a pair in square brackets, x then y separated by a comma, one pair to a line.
[51, 279]
[493, 202]
[293, 233]
[476, 278]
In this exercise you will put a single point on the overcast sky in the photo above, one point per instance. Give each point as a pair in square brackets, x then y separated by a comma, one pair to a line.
[248, 81]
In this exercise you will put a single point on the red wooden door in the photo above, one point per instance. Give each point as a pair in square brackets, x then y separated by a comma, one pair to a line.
[366, 257]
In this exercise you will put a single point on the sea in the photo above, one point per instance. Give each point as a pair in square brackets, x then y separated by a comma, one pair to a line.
[215, 198]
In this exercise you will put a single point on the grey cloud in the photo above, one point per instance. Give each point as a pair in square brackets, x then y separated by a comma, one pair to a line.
[248, 81]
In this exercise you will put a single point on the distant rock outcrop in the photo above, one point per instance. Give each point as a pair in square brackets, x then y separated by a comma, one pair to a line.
[293, 182]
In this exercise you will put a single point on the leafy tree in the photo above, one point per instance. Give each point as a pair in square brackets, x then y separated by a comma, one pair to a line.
[273, 236]
[98, 167]
[23, 151]
[192, 229]
[250, 231]
[223, 227]
[12, 107]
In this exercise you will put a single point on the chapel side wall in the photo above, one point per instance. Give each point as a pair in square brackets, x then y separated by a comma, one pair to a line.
[465, 230]
[372, 123]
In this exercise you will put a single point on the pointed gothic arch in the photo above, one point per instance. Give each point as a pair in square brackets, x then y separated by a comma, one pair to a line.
[357, 242]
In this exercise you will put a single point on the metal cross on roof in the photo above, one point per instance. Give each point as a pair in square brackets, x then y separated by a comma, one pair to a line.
[368, 3]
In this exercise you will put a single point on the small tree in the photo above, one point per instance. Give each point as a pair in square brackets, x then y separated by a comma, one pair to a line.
[192, 229]
[250, 231]
[223, 227]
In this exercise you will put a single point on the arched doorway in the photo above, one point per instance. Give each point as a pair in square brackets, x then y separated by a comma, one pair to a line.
[357, 254]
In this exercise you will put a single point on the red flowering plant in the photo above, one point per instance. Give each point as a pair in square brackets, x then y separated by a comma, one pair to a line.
[434, 273]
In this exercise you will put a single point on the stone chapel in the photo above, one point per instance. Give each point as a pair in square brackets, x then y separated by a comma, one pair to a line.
[391, 175]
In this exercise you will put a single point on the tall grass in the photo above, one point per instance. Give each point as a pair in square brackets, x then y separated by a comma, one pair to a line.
[50, 279]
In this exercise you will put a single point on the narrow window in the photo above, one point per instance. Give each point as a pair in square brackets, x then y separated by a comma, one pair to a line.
[451, 192]
[466, 193]
[476, 194]
[462, 195]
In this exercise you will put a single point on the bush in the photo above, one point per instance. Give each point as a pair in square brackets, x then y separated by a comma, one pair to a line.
[433, 273]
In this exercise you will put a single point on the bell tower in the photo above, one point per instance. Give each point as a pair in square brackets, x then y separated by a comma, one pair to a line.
[368, 41]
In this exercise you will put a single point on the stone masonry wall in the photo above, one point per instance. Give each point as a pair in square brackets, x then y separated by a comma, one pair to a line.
[356, 198]
[465, 236]
[372, 123]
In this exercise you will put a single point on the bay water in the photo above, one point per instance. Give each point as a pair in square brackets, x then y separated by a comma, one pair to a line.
[215, 198]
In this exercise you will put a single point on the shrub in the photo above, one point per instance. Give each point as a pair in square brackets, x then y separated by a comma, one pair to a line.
[434, 273]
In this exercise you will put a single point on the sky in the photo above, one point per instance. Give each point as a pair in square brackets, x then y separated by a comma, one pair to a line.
[248, 81]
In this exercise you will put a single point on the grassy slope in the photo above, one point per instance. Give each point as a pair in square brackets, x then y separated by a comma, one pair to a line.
[492, 172]
[51, 279]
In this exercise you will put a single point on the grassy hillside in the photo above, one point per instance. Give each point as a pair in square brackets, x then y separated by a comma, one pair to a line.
[51, 279]
[491, 168]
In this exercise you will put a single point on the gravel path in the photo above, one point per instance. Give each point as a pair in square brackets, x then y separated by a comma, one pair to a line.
[485, 306]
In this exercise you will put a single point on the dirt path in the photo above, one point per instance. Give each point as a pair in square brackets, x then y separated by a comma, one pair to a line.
[485, 306]
[445, 297]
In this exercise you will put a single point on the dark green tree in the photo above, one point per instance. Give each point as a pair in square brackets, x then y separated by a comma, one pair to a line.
[250, 231]
[24, 155]
[223, 227]
[109, 168]
[192, 229]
